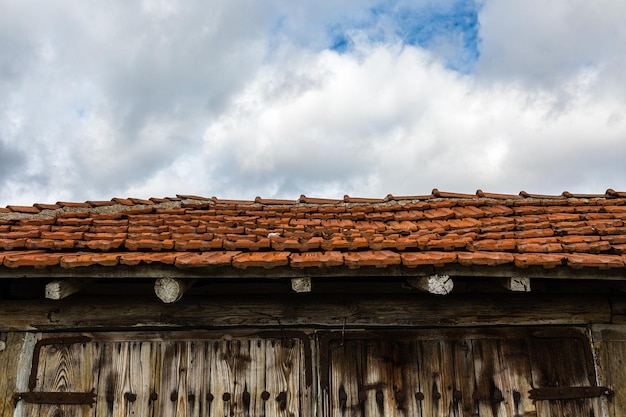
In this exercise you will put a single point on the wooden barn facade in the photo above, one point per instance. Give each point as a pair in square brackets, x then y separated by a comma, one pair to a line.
[439, 305]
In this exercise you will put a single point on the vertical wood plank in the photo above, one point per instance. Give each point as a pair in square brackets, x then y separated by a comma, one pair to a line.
[612, 357]
[463, 397]
[140, 374]
[181, 378]
[515, 356]
[224, 379]
[430, 378]
[156, 396]
[215, 390]
[612, 361]
[410, 375]
[344, 379]
[489, 379]
[374, 381]
[120, 365]
[240, 366]
[102, 353]
[195, 377]
[257, 377]
[21, 346]
[168, 388]
[280, 359]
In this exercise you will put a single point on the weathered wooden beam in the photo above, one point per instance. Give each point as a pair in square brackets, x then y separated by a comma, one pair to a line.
[170, 290]
[60, 289]
[302, 284]
[454, 270]
[434, 284]
[308, 309]
[517, 284]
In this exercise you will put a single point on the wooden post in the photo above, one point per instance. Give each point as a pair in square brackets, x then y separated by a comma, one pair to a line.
[434, 284]
[58, 290]
[517, 283]
[170, 290]
[301, 284]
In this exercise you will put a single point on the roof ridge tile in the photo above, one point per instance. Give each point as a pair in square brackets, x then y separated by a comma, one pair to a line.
[313, 200]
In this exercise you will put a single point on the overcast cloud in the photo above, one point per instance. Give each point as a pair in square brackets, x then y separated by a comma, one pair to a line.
[244, 98]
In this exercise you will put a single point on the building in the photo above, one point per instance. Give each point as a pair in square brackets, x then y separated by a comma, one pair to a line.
[445, 304]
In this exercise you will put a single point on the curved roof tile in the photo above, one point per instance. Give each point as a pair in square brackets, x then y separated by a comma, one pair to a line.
[483, 229]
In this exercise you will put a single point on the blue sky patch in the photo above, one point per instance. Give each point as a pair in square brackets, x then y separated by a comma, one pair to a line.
[448, 29]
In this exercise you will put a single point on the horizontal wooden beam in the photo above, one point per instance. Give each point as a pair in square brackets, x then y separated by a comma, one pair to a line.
[307, 309]
[153, 271]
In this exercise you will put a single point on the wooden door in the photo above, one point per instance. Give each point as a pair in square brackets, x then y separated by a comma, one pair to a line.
[144, 375]
[457, 373]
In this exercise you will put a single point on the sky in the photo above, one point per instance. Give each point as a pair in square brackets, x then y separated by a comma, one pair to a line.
[273, 98]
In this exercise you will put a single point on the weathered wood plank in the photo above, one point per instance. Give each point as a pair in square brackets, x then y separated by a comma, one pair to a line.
[430, 378]
[515, 362]
[609, 344]
[214, 390]
[464, 372]
[255, 378]
[345, 379]
[15, 362]
[378, 374]
[305, 310]
[139, 376]
[169, 392]
[612, 360]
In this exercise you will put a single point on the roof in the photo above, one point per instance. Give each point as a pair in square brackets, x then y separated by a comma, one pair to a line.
[564, 232]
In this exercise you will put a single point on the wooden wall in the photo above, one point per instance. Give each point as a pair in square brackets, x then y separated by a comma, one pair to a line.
[138, 333]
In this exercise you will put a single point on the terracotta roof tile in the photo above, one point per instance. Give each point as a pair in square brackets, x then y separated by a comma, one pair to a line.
[391, 197]
[41, 206]
[378, 259]
[24, 209]
[485, 258]
[482, 194]
[434, 258]
[312, 200]
[74, 261]
[52, 244]
[35, 259]
[568, 230]
[316, 259]
[204, 259]
[12, 243]
[101, 203]
[261, 259]
[269, 201]
[547, 260]
[442, 194]
[72, 204]
[580, 260]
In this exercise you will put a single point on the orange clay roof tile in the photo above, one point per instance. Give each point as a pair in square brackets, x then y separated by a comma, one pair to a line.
[482, 229]
[316, 259]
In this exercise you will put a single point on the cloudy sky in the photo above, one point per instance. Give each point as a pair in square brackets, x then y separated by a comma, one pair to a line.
[278, 98]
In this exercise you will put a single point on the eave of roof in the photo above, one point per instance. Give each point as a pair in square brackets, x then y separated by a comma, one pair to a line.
[396, 235]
